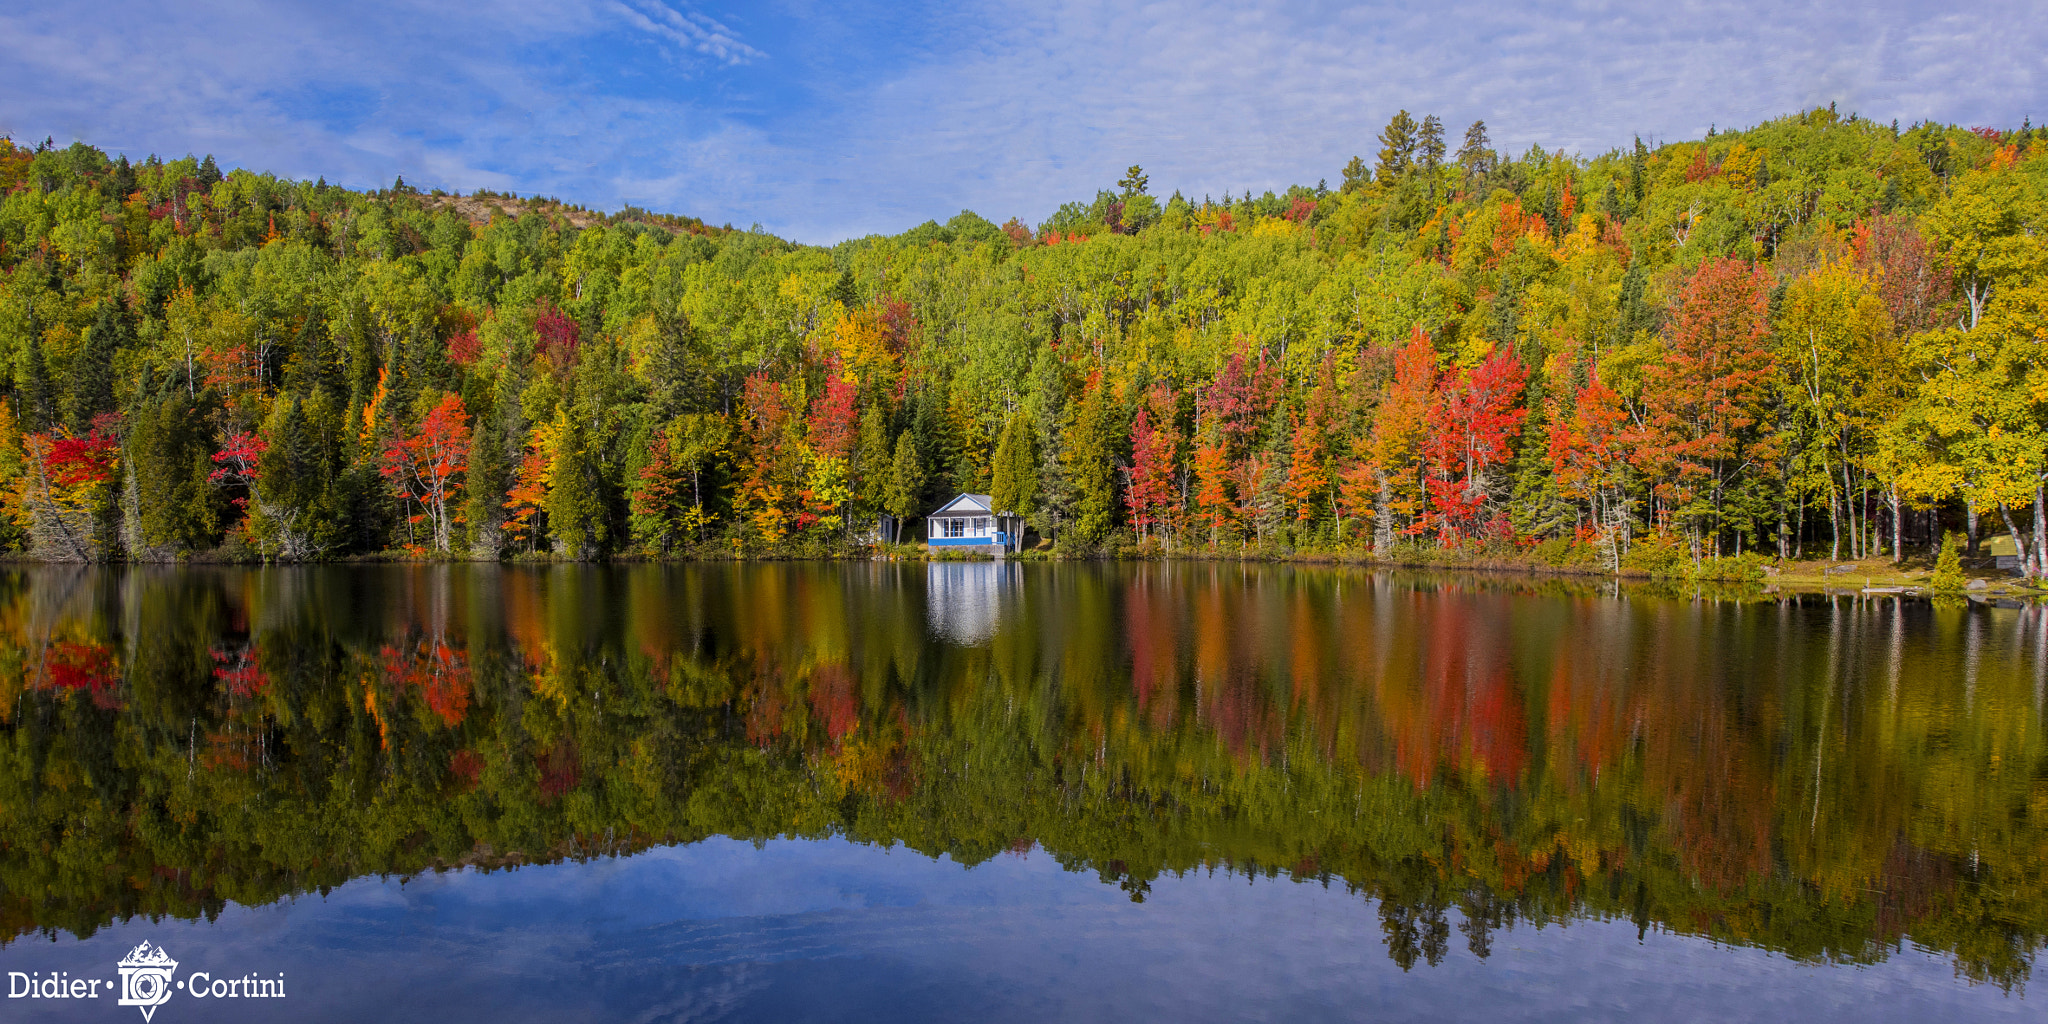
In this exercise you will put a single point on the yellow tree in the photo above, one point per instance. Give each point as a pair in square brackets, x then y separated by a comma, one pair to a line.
[1989, 229]
[1835, 357]
[1979, 421]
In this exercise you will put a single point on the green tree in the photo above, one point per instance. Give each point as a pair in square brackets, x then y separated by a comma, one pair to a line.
[1429, 145]
[1047, 405]
[177, 506]
[1397, 148]
[872, 464]
[1356, 175]
[575, 513]
[1016, 468]
[1090, 459]
[1475, 157]
[1948, 568]
[484, 488]
[300, 499]
[904, 497]
[1990, 230]
[89, 390]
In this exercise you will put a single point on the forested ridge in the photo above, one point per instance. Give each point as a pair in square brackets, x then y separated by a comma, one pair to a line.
[1823, 334]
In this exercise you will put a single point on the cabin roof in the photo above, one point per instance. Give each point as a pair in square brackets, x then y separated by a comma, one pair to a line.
[967, 503]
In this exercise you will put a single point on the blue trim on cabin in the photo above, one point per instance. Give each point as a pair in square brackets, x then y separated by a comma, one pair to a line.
[950, 542]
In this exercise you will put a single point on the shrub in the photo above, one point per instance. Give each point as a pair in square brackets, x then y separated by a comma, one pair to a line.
[1948, 569]
[1747, 567]
[1658, 556]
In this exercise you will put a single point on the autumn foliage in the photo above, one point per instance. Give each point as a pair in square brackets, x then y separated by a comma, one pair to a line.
[1816, 334]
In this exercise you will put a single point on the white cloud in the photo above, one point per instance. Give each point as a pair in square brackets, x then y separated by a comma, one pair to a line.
[690, 29]
[465, 94]
[860, 120]
[1049, 103]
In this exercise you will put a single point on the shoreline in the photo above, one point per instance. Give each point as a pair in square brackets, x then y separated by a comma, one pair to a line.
[1873, 577]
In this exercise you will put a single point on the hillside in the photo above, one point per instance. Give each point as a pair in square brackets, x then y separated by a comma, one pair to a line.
[1821, 335]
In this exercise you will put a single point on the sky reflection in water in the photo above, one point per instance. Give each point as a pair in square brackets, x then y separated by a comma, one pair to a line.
[831, 930]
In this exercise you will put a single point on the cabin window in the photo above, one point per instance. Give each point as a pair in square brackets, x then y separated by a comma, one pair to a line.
[981, 526]
[956, 527]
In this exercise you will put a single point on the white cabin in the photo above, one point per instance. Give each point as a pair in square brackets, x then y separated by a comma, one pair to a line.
[972, 521]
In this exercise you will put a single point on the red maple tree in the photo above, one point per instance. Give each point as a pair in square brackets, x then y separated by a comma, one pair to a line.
[424, 464]
[1476, 414]
[835, 418]
[1239, 400]
[1704, 401]
[1154, 444]
[556, 336]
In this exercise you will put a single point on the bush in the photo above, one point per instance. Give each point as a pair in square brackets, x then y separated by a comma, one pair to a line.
[961, 554]
[1562, 552]
[1660, 556]
[1948, 569]
[1555, 551]
[1747, 567]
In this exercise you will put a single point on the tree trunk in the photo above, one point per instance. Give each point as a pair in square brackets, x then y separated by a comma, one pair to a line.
[1849, 509]
[1383, 532]
[2039, 566]
[2019, 543]
[1835, 522]
[1898, 527]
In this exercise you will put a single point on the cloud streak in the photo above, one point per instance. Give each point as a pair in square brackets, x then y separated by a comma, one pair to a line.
[691, 30]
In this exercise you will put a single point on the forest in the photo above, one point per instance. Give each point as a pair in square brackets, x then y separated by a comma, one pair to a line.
[1820, 336]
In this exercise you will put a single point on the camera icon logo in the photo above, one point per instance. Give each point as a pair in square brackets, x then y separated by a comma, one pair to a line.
[146, 977]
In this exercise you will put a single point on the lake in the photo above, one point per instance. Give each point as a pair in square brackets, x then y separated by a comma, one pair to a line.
[1010, 792]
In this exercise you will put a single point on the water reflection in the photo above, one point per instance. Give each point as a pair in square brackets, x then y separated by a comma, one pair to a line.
[1824, 777]
[964, 600]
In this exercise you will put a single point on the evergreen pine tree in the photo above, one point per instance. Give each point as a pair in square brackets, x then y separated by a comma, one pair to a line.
[121, 183]
[1948, 568]
[904, 496]
[32, 383]
[1016, 468]
[1397, 148]
[1429, 145]
[872, 459]
[177, 505]
[573, 510]
[90, 389]
[1476, 156]
[484, 488]
[300, 505]
[1047, 403]
[1633, 313]
[1638, 167]
[1356, 176]
[1090, 462]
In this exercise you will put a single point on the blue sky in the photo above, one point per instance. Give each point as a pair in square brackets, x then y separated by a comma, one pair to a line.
[823, 121]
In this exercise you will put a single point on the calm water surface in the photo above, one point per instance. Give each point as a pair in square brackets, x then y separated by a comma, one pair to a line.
[968, 791]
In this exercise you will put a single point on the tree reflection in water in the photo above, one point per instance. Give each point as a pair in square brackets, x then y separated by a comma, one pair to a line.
[1823, 777]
